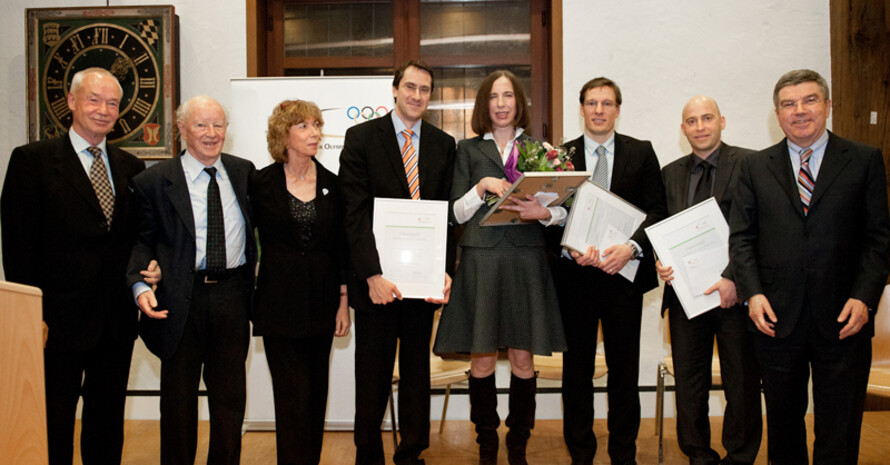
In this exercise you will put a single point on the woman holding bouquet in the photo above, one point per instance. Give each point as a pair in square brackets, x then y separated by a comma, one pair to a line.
[503, 297]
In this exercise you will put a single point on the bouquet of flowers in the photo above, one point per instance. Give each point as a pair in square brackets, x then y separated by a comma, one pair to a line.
[541, 156]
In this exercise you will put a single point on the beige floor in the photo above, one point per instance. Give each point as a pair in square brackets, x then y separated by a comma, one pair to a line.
[456, 446]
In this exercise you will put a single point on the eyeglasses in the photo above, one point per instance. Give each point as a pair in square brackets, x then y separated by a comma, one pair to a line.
[791, 105]
[412, 88]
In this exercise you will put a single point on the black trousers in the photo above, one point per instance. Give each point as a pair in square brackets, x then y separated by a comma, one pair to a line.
[410, 323]
[692, 347]
[586, 298]
[299, 369]
[216, 337]
[99, 375]
[840, 378]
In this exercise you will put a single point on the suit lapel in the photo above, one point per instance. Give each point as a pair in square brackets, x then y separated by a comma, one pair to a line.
[780, 167]
[391, 152]
[178, 193]
[69, 166]
[578, 158]
[238, 177]
[680, 186]
[725, 167]
[833, 162]
[620, 162]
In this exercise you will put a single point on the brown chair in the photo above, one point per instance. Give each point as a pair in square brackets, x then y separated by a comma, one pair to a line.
[666, 367]
[442, 373]
[879, 378]
[550, 367]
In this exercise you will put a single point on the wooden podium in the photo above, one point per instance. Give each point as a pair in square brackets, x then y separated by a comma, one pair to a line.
[22, 394]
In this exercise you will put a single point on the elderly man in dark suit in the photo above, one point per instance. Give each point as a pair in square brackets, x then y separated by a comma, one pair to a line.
[371, 165]
[809, 238]
[710, 171]
[67, 229]
[590, 290]
[194, 217]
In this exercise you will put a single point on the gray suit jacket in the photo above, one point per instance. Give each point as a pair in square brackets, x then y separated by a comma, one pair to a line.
[476, 159]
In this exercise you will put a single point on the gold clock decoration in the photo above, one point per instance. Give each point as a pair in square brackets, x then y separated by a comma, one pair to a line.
[136, 44]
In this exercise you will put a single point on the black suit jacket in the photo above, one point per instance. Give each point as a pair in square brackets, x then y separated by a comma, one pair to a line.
[55, 237]
[371, 166]
[636, 178]
[838, 251]
[298, 289]
[167, 233]
[676, 184]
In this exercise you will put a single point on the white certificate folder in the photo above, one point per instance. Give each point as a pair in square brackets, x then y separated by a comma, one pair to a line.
[601, 219]
[695, 243]
[412, 237]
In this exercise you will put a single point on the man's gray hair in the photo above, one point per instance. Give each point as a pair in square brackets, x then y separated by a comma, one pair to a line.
[77, 80]
[800, 76]
[184, 110]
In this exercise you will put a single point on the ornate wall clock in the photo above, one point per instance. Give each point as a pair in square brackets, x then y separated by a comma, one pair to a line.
[137, 44]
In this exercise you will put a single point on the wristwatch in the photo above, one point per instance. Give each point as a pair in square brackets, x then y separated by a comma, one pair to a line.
[635, 251]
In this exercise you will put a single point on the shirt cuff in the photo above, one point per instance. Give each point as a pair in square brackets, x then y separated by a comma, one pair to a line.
[139, 289]
[467, 206]
[558, 216]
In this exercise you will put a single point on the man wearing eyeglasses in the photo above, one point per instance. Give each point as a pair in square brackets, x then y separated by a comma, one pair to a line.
[372, 165]
[809, 238]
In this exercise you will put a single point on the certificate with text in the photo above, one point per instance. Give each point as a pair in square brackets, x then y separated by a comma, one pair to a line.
[695, 243]
[601, 219]
[411, 237]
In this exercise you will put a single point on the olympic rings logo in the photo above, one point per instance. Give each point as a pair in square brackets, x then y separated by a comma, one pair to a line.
[366, 112]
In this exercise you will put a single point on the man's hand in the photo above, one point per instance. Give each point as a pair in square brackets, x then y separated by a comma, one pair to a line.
[615, 258]
[382, 291]
[529, 208]
[589, 258]
[148, 303]
[446, 292]
[152, 274]
[759, 310]
[855, 313]
[728, 294]
[343, 322]
[666, 273]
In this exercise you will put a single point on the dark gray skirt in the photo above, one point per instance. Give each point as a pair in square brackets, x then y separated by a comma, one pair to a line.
[501, 297]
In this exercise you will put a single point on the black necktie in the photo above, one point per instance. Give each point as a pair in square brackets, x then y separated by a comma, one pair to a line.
[703, 188]
[216, 229]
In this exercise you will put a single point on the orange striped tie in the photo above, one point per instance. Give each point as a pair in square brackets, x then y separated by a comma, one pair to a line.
[409, 159]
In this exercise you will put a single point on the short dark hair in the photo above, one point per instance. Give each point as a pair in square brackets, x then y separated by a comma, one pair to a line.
[601, 82]
[400, 72]
[481, 122]
[799, 76]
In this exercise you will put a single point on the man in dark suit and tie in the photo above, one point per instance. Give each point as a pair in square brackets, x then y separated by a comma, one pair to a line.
[194, 218]
[590, 290]
[809, 238]
[68, 229]
[372, 165]
[710, 171]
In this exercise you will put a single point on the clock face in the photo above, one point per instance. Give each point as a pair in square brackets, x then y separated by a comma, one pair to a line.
[117, 49]
[135, 44]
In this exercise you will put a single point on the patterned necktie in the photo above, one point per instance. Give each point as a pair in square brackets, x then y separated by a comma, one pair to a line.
[805, 182]
[216, 230]
[409, 159]
[703, 188]
[101, 184]
[601, 172]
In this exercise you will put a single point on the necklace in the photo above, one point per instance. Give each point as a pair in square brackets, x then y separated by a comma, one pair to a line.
[301, 177]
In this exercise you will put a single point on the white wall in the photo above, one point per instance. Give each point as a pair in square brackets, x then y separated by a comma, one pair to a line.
[660, 53]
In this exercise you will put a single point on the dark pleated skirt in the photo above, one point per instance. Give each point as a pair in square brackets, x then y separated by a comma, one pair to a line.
[501, 297]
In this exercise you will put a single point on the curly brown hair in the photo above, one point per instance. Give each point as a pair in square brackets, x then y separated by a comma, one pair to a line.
[285, 115]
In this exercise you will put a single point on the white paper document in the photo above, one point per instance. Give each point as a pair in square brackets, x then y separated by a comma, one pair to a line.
[411, 237]
[601, 219]
[695, 243]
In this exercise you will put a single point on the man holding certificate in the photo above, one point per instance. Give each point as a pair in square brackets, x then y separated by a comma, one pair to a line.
[591, 291]
[710, 171]
[396, 156]
[809, 238]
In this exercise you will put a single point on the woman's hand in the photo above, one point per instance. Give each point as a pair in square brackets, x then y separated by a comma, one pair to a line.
[496, 186]
[343, 322]
[529, 208]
